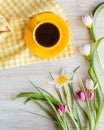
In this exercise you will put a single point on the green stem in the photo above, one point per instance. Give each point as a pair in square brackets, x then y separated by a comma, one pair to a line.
[65, 122]
[100, 103]
[95, 100]
[59, 95]
[93, 110]
[93, 34]
[73, 120]
[89, 114]
[67, 98]
[97, 119]
[70, 114]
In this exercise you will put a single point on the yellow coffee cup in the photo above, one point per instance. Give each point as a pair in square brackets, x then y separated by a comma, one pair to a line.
[47, 35]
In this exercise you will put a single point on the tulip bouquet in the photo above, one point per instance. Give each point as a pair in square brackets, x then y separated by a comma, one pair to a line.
[70, 105]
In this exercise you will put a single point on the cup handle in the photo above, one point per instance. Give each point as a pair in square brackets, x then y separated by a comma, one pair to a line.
[37, 19]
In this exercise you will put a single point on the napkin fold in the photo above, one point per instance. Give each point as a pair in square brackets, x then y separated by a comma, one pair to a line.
[14, 16]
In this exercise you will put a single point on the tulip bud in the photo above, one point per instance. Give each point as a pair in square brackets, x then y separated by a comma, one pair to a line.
[90, 94]
[85, 49]
[80, 95]
[87, 20]
[89, 84]
[62, 108]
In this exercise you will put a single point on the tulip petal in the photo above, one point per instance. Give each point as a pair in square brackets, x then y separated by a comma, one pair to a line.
[85, 49]
[87, 20]
[89, 84]
[80, 95]
[89, 94]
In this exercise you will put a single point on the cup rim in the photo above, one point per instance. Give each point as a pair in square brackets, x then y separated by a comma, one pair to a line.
[45, 47]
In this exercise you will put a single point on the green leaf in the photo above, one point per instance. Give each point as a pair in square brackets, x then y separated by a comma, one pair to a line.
[27, 100]
[93, 73]
[45, 110]
[41, 116]
[95, 15]
[74, 71]
[92, 69]
[38, 96]
[94, 51]
[43, 90]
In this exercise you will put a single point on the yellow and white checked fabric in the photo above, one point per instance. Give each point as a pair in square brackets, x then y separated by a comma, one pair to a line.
[14, 16]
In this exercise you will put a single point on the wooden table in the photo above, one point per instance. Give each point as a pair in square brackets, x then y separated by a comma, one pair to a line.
[16, 80]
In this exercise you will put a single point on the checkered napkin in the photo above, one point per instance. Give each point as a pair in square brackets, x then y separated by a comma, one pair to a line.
[14, 16]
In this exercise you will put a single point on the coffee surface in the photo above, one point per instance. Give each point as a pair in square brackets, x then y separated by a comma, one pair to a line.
[47, 35]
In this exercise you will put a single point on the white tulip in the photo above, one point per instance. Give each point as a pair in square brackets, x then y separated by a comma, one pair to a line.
[87, 20]
[89, 84]
[85, 49]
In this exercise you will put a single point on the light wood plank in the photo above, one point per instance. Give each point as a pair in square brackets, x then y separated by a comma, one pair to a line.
[16, 80]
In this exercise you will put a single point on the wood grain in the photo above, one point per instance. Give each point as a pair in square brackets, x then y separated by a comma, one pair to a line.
[16, 80]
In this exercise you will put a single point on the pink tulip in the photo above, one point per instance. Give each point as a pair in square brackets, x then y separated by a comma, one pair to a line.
[90, 94]
[62, 108]
[80, 95]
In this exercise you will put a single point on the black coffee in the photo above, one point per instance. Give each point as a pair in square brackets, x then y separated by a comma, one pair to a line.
[47, 34]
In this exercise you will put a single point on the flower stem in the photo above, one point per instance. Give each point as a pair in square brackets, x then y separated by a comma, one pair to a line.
[93, 34]
[101, 103]
[70, 114]
[97, 120]
[66, 98]
[73, 120]
[66, 124]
